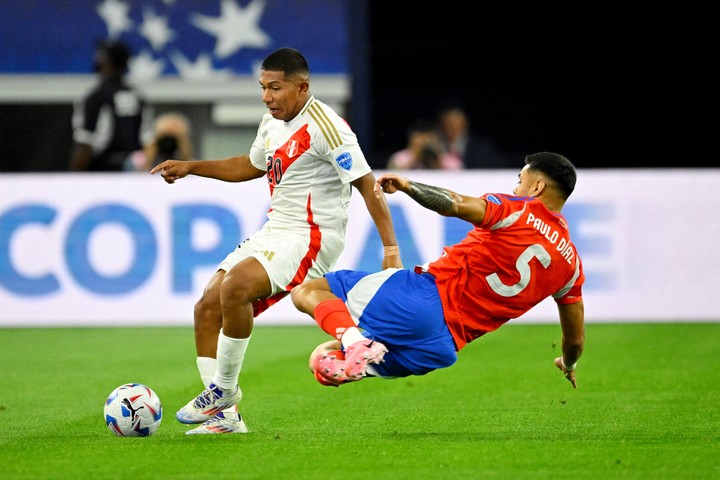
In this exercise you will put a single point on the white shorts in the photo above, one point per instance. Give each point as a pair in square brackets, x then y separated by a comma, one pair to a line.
[289, 257]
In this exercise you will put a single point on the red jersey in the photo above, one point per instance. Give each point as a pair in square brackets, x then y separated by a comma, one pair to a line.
[518, 256]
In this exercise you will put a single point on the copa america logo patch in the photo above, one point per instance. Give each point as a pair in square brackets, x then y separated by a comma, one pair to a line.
[344, 160]
[493, 199]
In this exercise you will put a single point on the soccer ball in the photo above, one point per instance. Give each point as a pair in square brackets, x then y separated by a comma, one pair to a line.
[133, 410]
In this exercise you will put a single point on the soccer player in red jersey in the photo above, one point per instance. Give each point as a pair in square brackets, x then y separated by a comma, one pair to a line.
[415, 321]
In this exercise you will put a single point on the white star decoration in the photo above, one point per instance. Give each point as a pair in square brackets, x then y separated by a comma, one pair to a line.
[145, 67]
[202, 69]
[155, 29]
[235, 28]
[115, 15]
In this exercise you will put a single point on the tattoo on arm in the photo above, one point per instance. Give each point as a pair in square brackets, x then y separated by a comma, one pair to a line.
[434, 198]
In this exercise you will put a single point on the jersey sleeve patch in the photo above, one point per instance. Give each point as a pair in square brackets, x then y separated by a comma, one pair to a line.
[492, 198]
[344, 160]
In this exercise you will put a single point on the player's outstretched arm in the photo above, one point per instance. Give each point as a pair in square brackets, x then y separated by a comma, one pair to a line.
[438, 199]
[231, 169]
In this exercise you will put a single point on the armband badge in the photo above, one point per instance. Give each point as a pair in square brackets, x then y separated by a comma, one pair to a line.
[344, 160]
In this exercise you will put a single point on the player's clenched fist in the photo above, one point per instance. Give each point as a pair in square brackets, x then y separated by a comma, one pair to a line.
[390, 183]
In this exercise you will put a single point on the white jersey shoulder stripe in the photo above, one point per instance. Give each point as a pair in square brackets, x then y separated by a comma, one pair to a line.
[329, 131]
[510, 219]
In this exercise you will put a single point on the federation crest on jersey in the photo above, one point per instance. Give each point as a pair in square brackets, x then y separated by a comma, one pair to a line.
[292, 148]
[344, 160]
[492, 198]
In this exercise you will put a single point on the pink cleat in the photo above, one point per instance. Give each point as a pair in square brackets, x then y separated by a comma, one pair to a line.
[359, 354]
[329, 368]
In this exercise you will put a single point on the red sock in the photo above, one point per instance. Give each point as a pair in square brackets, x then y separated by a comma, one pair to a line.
[333, 317]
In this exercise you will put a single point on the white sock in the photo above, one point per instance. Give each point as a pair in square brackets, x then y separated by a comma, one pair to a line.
[206, 366]
[351, 335]
[230, 356]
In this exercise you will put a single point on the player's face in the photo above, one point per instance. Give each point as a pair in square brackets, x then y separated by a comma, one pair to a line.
[527, 183]
[282, 96]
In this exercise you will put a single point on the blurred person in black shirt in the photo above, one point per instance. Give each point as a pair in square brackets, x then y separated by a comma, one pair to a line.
[108, 121]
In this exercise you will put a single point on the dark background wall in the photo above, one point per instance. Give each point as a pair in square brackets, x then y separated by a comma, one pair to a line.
[607, 88]
[35, 138]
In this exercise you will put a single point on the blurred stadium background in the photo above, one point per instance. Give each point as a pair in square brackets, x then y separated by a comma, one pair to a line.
[608, 88]
[622, 95]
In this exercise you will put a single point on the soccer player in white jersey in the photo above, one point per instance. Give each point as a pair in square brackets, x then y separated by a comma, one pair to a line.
[310, 158]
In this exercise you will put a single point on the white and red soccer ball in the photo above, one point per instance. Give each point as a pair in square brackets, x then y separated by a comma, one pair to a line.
[133, 410]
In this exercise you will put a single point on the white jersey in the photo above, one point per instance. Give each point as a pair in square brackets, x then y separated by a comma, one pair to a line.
[310, 162]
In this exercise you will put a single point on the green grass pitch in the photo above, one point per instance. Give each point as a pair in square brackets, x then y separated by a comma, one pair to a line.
[647, 407]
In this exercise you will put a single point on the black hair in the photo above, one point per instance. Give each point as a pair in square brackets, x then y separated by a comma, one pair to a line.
[557, 168]
[117, 52]
[286, 60]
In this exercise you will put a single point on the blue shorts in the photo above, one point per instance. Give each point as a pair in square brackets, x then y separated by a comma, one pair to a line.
[401, 309]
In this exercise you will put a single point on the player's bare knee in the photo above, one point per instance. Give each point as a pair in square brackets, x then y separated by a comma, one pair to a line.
[297, 295]
[200, 310]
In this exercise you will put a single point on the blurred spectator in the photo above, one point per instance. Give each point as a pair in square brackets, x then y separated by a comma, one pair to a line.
[456, 138]
[109, 120]
[423, 150]
[170, 141]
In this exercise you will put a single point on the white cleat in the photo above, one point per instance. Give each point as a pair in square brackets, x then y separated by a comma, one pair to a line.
[209, 403]
[223, 422]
